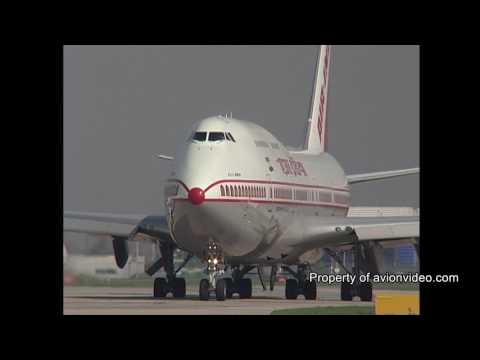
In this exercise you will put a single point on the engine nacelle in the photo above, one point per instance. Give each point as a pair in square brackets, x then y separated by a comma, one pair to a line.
[120, 249]
[311, 257]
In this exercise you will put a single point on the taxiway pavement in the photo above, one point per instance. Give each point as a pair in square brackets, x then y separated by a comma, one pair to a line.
[139, 301]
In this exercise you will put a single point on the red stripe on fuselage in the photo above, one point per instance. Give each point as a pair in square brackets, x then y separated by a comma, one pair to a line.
[261, 182]
[267, 202]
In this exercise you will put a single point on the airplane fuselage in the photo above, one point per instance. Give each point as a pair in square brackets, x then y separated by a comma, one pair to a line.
[248, 193]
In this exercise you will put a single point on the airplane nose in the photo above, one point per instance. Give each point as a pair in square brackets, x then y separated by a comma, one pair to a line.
[196, 196]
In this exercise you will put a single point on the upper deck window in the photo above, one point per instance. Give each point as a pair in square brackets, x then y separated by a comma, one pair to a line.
[216, 136]
[199, 136]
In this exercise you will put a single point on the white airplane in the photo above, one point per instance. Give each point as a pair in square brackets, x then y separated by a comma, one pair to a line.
[239, 199]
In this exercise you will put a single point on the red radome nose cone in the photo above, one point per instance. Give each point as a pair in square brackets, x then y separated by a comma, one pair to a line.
[196, 196]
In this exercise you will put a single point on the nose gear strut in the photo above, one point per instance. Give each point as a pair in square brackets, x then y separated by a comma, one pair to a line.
[215, 269]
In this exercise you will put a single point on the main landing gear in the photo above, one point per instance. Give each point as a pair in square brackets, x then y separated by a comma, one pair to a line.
[162, 286]
[365, 260]
[301, 285]
[237, 284]
[172, 284]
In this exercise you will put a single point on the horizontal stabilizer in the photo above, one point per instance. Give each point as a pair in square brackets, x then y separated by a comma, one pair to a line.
[358, 178]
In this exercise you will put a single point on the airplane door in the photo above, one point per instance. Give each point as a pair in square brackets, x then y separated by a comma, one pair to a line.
[269, 193]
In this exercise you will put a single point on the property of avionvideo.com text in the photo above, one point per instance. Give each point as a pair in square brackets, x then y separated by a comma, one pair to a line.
[383, 278]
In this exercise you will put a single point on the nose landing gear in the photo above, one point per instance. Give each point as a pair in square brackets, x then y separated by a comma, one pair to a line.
[215, 269]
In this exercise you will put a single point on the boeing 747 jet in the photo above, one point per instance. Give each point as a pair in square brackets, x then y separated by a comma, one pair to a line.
[240, 200]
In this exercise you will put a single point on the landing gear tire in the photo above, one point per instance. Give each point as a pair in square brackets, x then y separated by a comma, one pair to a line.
[310, 290]
[366, 291]
[291, 287]
[179, 288]
[204, 290]
[220, 290]
[346, 292]
[245, 288]
[159, 288]
[229, 288]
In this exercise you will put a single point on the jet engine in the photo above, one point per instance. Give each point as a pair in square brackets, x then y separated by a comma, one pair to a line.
[120, 249]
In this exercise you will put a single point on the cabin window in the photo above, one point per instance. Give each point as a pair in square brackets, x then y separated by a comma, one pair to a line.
[228, 190]
[216, 136]
[200, 136]
[301, 195]
[324, 196]
[235, 191]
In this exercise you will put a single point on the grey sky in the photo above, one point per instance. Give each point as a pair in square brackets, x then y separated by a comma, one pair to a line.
[123, 104]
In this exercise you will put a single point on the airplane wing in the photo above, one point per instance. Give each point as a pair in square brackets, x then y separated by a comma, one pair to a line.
[132, 227]
[358, 178]
[123, 228]
[345, 231]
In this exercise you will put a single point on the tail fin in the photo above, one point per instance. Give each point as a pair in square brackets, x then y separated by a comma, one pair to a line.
[316, 131]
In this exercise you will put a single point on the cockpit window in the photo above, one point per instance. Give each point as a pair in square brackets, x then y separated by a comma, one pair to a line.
[231, 137]
[200, 136]
[216, 136]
